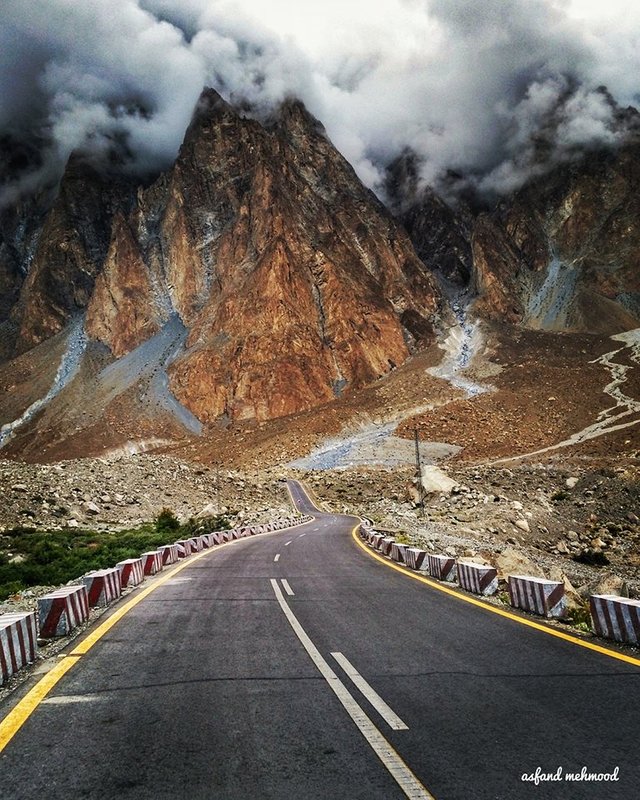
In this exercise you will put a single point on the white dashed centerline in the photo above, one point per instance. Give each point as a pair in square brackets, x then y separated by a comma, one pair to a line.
[401, 773]
[277, 557]
[286, 544]
[286, 587]
[387, 714]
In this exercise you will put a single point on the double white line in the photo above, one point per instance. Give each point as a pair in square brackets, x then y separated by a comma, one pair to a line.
[407, 781]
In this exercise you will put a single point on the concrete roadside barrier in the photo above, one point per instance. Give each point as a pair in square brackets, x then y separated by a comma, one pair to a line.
[538, 595]
[416, 558]
[131, 572]
[367, 534]
[151, 562]
[376, 540]
[206, 541]
[615, 617]
[397, 552]
[62, 610]
[18, 642]
[184, 548]
[103, 586]
[477, 578]
[385, 545]
[443, 568]
[218, 537]
[169, 554]
[196, 544]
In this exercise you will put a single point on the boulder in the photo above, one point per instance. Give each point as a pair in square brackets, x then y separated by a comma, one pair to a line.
[605, 584]
[210, 510]
[513, 562]
[435, 481]
[575, 601]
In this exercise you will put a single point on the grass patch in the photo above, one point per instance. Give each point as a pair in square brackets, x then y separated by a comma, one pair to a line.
[50, 558]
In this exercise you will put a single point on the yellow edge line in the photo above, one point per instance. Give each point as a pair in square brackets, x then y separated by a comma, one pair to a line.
[21, 712]
[492, 609]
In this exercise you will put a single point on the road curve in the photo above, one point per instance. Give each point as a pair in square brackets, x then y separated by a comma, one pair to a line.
[293, 665]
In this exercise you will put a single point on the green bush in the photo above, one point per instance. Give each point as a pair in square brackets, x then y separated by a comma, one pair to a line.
[167, 522]
[195, 527]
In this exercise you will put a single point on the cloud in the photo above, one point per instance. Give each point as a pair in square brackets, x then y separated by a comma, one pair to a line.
[470, 87]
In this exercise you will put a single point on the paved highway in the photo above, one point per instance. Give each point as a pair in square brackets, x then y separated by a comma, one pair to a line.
[294, 666]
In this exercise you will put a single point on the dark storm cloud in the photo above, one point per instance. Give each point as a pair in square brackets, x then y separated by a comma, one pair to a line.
[468, 86]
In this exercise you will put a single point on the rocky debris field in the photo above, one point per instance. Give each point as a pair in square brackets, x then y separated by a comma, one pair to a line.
[124, 491]
[578, 522]
[545, 388]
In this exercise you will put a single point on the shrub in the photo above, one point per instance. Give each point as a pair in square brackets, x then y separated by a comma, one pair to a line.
[167, 522]
[207, 525]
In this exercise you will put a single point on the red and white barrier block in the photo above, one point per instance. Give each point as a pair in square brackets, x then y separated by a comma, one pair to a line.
[131, 572]
[184, 548]
[152, 562]
[443, 568]
[376, 540]
[416, 558]
[397, 552]
[615, 617]
[386, 544]
[62, 610]
[169, 554]
[196, 544]
[18, 642]
[538, 595]
[103, 586]
[477, 578]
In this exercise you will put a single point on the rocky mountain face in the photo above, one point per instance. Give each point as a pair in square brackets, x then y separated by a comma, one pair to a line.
[293, 281]
[440, 233]
[563, 253]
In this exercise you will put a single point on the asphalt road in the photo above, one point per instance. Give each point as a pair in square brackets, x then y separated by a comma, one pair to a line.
[222, 684]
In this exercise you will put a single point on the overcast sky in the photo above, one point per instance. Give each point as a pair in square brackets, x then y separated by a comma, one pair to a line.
[465, 84]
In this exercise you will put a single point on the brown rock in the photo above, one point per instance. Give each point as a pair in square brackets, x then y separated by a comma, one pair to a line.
[575, 601]
[513, 562]
[122, 312]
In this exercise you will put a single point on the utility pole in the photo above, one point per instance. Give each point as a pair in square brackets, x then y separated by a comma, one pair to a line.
[419, 472]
